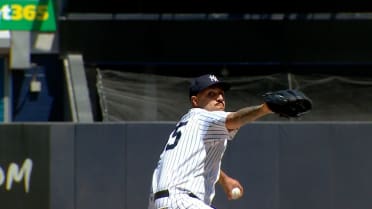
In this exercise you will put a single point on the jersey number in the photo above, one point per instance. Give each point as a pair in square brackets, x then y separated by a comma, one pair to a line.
[176, 134]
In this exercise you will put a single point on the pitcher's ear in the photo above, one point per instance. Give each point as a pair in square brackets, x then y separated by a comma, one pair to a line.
[194, 101]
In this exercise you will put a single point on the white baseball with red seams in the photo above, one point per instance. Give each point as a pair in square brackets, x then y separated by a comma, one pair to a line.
[236, 193]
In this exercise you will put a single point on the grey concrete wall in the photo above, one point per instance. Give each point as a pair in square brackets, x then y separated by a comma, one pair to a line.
[281, 165]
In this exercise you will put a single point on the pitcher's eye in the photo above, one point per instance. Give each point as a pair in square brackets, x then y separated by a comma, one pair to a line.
[211, 94]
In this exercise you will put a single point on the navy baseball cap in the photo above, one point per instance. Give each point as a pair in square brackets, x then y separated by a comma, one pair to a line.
[202, 82]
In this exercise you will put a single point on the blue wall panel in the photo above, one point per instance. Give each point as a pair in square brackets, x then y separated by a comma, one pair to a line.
[24, 161]
[29, 106]
[46, 105]
[280, 165]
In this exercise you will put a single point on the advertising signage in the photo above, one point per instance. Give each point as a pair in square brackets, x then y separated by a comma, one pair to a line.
[27, 15]
[24, 167]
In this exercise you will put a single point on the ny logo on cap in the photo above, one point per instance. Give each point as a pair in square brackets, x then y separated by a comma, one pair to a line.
[213, 78]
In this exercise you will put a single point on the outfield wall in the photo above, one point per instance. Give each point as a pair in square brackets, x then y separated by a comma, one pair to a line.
[109, 165]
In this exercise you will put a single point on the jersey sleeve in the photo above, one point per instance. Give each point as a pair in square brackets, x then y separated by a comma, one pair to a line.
[213, 125]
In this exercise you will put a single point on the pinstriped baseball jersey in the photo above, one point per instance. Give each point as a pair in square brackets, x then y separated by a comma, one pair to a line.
[190, 161]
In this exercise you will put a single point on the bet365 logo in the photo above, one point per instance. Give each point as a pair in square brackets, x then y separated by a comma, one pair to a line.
[26, 12]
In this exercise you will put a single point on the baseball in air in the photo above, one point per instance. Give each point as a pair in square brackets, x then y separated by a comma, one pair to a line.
[236, 193]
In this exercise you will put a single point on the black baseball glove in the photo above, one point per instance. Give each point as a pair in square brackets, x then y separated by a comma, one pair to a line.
[288, 103]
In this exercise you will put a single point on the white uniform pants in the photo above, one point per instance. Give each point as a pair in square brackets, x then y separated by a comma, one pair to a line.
[177, 201]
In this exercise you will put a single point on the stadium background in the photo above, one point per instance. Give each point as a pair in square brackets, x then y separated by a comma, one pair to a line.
[115, 80]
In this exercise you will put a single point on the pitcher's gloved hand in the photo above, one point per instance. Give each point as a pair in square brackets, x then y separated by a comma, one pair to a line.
[288, 103]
